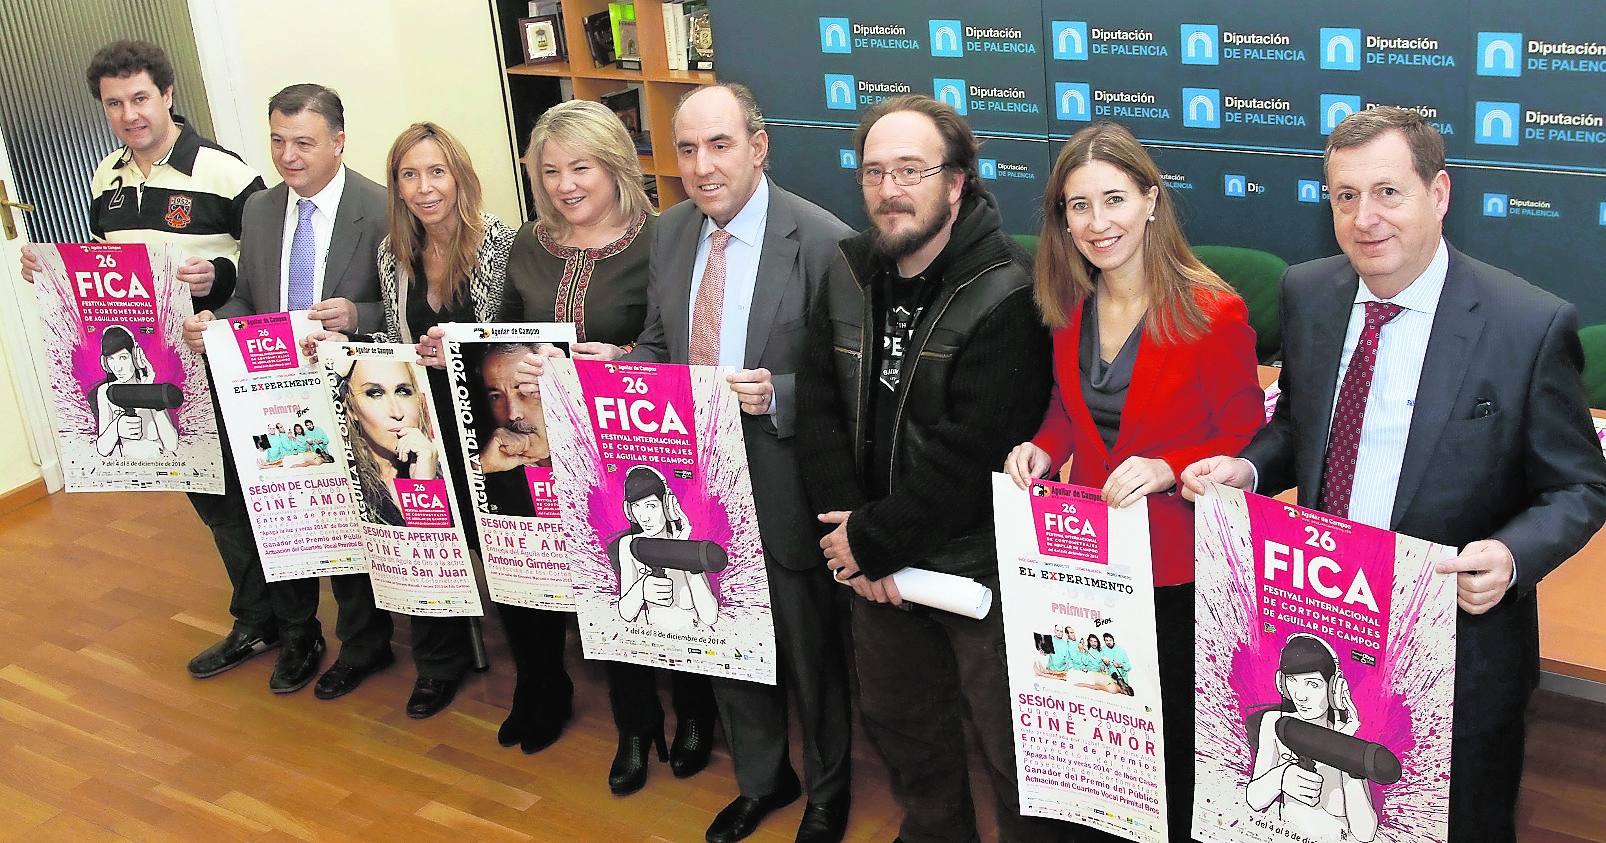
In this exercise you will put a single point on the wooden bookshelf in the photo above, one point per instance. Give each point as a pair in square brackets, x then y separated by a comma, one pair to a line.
[661, 88]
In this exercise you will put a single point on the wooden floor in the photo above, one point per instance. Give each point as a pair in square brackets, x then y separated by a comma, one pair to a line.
[103, 598]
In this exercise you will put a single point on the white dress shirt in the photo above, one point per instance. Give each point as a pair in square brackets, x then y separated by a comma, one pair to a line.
[741, 274]
[327, 203]
[1391, 401]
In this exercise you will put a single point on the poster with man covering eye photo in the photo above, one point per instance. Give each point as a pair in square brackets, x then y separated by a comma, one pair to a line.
[509, 457]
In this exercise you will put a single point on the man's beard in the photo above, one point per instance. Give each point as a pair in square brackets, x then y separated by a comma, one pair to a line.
[901, 244]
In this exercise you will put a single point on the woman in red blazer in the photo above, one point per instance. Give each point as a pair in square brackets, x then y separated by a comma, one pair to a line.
[1154, 365]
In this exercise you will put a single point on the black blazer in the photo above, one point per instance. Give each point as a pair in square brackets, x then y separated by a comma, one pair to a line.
[799, 244]
[1530, 473]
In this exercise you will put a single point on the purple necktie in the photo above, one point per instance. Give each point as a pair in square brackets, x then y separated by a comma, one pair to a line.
[1344, 442]
[302, 257]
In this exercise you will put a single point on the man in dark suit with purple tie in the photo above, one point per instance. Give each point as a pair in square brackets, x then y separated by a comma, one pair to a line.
[1438, 396]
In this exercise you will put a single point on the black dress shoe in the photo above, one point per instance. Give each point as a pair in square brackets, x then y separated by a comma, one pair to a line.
[231, 651]
[430, 696]
[742, 816]
[694, 740]
[298, 664]
[545, 725]
[824, 822]
[342, 678]
[629, 770]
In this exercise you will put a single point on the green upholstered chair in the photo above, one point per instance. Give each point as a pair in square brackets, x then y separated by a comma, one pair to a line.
[1593, 339]
[1256, 276]
[1027, 242]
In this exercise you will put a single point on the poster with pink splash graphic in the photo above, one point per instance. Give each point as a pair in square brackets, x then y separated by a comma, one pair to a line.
[650, 472]
[509, 458]
[277, 417]
[1076, 585]
[128, 401]
[1325, 671]
[401, 484]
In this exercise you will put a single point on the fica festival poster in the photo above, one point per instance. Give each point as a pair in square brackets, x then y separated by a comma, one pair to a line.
[128, 401]
[509, 458]
[401, 482]
[1077, 589]
[1325, 663]
[658, 517]
[280, 426]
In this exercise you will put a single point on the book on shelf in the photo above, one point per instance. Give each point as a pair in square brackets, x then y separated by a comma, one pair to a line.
[626, 104]
[675, 35]
[699, 36]
[599, 37]
[628, 46]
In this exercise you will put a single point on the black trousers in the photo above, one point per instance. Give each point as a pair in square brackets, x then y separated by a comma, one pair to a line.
[812, 672]
[1485, 776]
[269, 609]
[919, 669]
[633, 695]
[537, 638]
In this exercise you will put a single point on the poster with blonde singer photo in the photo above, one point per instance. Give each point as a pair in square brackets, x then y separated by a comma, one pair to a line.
[401, 483]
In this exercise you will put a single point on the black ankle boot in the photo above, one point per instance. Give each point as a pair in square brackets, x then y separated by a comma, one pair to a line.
[546, 724]
[694, 740]
[629, 771]
[519, 715]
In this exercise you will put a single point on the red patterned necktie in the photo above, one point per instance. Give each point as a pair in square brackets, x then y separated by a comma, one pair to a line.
[710, 306]
[1344, 442]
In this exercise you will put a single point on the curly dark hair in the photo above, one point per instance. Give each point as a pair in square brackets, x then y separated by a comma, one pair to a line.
[126, 58]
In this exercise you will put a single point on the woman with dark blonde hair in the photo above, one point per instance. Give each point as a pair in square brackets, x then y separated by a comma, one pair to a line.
[444, 260]
[1154, 367]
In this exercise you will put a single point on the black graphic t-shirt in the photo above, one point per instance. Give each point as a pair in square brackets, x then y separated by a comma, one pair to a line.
[900, 304]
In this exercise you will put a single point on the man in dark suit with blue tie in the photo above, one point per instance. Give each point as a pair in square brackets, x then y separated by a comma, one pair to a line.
[309, 243]
[1438, 396]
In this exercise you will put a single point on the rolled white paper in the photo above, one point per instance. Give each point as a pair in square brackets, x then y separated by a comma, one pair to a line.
[944, 591]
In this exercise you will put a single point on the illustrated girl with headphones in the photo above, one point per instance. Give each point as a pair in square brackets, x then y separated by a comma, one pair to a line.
[1312, 797]
[665, 597]
[137, 433]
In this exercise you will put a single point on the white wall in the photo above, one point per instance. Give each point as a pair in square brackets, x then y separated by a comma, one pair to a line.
[394, 62]
[17, 467]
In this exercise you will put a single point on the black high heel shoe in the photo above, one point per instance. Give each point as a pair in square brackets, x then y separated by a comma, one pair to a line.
[694, 741]
[629, 771]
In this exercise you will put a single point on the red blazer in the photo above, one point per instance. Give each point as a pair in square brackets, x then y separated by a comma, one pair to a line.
[1187, 401]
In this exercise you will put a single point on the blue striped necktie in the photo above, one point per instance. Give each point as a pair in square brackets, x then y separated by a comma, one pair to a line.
[302, 257]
